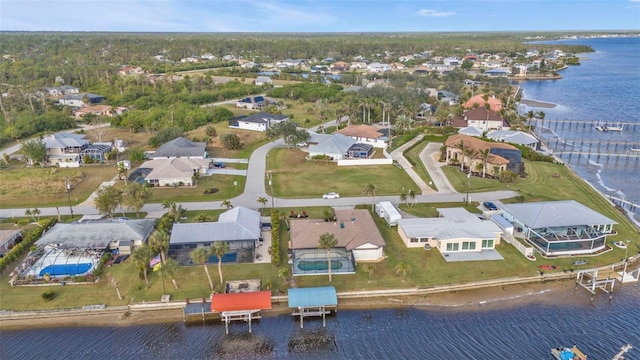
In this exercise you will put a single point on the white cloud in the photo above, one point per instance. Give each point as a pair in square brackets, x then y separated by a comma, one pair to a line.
[435, 13]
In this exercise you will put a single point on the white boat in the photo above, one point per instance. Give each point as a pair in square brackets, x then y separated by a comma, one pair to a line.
[618, 127]
[635, 149]
[620, 244]
[601, 127]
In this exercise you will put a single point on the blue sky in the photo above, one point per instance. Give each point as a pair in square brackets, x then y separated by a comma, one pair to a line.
[318, 15]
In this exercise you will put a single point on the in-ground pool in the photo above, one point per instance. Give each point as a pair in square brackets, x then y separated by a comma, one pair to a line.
[318, 265]
[66, 269]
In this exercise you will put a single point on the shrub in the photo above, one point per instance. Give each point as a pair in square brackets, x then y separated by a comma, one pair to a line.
[48, 295]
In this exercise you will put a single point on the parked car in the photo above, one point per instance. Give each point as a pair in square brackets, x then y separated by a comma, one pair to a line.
[219, 165]
[331, 195]
[489, 205]
[302, 144]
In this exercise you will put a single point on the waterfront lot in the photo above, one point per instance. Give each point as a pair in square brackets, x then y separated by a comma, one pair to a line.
[295, 177]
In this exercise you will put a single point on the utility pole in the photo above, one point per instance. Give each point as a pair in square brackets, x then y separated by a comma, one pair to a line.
[68, 186]
[468, 186]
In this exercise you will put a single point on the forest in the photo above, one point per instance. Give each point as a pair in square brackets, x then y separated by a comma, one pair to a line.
[92, 61]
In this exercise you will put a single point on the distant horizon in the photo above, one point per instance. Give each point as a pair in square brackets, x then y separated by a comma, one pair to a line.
[318, 16]
[633, 32]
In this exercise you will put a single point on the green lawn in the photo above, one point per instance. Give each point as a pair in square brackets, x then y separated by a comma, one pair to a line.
[413, 155]
[224, 184]
[46, 187]
[294, 177]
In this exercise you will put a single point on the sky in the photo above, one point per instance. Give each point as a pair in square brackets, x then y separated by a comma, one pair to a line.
[317, 15]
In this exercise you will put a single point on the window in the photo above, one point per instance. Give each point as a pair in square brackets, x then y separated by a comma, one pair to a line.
[452, 246]
[414, 240]
[487, 244]
[468, 245]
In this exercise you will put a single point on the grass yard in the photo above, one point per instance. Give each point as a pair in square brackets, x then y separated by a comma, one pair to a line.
[224, 184]
[294, 177]
[413, 155]
[46, 187]
[108, 134]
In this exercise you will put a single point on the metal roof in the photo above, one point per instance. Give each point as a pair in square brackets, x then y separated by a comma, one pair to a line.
[457, 223]
[314, 296]
[510, 136]
[259, 300]
[537, 215]
[96, 234]
[239, 223]
[264, 118]
[62, 140]
[334, 144]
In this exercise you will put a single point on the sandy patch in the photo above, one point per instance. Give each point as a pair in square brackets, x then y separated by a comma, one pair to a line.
[538, 104]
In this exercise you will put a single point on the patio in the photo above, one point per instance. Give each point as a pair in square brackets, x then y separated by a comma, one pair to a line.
[484, 255]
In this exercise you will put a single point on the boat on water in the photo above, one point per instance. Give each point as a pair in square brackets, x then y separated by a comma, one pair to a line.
[601, 127]
[568, 353]
[635, 149]
[618, 127]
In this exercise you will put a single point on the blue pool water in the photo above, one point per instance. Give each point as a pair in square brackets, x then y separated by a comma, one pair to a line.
[68, 269]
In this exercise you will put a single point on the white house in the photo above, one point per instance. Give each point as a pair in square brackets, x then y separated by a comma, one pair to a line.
[335, 146]
[263, 80]
[514, 137]
[377, 67]
[259, 122]
[173, 172]
[456, 230]
[365, 134]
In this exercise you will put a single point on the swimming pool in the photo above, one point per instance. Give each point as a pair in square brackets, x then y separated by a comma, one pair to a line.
[66, 269]
[318, 265]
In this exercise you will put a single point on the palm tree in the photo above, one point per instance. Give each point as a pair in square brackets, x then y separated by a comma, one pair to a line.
[469, 153]
[403, 268]
[227, 204]
[141, 257]
[370, 190]
[201, 256]
[530, 116]
[369, 269]
[175, 210]
[171, 269]
[202, 217]
[284, 274]
[403, 197]
[159, 241]
[218, 249]
[484, 154]
[412, 196]
[262, 201]
[134, 196]
[461, 146]
[403, 122]
[540, 115]
[328, 241]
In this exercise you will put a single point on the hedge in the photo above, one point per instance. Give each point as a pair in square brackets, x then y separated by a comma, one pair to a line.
[25, 245]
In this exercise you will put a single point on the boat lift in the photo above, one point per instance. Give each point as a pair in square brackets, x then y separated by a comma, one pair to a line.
[594, 279]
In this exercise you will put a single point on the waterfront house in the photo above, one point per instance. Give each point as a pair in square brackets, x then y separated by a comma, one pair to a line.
[358, 240]
[514, 137]
[239, 227]
[458, 234]
[559, 228]
[485, 119]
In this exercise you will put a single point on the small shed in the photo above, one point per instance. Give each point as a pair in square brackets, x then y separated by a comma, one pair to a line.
[386, 210]
[503, 223]
[315, 301]
[244, 306]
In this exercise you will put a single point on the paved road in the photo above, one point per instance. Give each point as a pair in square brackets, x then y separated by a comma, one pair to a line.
[257, 177]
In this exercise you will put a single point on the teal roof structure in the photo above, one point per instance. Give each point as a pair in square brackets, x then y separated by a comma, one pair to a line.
[312, 297]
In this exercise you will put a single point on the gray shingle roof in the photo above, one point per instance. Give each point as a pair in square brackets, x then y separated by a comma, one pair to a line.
[330, 144]
[180, 147]
[62, 140]
[264, 117]
[555, 213]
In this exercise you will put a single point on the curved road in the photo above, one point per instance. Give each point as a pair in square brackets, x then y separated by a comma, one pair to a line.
[255, 188]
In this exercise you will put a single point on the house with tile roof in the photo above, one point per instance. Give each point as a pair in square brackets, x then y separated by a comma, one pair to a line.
[495, 104]
[468, 152]
[365, 134]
